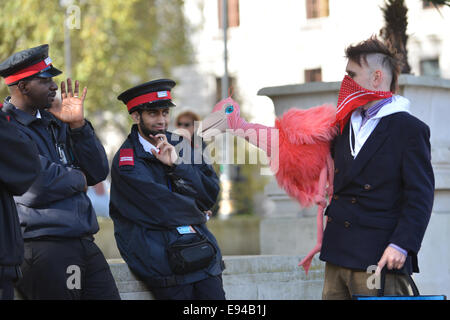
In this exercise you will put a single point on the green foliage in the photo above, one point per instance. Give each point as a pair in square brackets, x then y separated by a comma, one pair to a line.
[119, 43]
[246, 178]
[249, 182]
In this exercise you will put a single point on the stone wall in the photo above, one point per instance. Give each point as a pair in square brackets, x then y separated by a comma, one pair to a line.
[245, 278]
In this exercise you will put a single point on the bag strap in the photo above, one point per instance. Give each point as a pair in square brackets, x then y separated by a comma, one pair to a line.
[413, 285]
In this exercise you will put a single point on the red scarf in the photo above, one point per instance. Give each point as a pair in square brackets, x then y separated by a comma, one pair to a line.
[352, 96]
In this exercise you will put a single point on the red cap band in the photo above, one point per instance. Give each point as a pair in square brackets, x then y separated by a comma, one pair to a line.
[148, 97]
[28, 71]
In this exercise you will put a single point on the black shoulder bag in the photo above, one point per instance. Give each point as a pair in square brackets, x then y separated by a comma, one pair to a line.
[186, 257]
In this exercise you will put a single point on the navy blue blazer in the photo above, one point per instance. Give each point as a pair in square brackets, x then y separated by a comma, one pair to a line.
[384, 195]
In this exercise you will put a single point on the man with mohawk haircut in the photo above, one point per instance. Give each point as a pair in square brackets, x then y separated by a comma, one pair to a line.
[381, 187]
[383, 182]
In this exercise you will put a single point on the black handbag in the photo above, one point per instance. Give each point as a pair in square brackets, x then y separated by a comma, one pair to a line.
[191, 256]
[416, 295]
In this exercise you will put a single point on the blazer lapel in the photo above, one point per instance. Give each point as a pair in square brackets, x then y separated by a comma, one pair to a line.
[373, 143]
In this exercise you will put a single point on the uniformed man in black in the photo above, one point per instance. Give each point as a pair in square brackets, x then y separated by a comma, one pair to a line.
[61, 259]
[19, 167]
[159, 197]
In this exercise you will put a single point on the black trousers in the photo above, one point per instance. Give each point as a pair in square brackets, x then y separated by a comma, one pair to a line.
[208, 289]
[69, 269]
[6, 289]
[8, 275]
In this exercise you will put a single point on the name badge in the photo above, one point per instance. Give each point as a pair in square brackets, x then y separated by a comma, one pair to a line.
[185, 230]
[162, 94]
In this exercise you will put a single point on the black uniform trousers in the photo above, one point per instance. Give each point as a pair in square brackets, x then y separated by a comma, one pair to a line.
[8, 275]
[6, 289]
[208, 289]
[68, 269]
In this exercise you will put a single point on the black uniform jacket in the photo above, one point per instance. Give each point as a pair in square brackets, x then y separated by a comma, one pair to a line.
[385, 195]
[149, 201]
[19, 167]
[56, 203]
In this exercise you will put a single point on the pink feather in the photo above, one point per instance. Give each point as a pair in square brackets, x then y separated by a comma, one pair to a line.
[302, 162]
[304, 145]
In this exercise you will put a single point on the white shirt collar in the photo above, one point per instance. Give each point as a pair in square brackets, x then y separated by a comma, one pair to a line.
[398, 104]
[147, 145]
[38, 114]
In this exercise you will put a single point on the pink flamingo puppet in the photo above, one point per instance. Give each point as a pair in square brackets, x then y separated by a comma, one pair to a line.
[302, 157]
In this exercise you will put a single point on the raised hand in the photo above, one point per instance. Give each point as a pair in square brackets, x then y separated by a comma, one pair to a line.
[167, 153]
[71, 108]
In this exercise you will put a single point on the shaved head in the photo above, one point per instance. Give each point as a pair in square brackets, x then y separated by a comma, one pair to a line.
[376, 55]
[379, 61]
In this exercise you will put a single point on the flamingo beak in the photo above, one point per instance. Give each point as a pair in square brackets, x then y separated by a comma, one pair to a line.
[213, 125]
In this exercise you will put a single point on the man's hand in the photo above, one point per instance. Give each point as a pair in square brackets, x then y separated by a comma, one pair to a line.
[70, 110]
[208, 213]
[393, 258]
[167, 153]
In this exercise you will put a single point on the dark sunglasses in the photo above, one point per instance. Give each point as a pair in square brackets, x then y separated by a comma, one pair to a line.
[184, 124]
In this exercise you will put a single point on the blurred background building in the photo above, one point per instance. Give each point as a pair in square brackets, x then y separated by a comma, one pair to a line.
[281, 42]
[271, 43]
